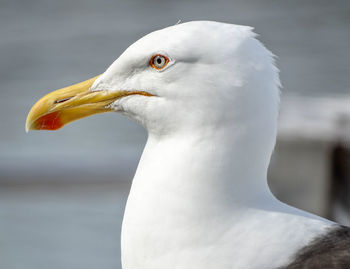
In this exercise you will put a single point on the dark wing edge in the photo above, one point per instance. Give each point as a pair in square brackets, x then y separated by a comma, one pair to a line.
[328, 251]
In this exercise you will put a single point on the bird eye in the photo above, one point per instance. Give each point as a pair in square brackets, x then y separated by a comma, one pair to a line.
[158, 61]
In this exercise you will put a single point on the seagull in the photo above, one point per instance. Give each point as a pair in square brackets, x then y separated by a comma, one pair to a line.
[208, 95]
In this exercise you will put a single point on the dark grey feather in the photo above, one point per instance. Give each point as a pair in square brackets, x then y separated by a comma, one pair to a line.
[329, 251]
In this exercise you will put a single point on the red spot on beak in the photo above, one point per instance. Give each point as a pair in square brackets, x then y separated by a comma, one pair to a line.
[51, 121]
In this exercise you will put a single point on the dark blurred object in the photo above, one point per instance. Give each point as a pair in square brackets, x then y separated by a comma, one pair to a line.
[340, 172]
[340, 175]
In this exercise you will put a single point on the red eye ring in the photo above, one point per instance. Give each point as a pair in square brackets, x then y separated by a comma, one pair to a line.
[158, 61]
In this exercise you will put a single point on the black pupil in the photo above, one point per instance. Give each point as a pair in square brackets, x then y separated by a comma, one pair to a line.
[159, 60]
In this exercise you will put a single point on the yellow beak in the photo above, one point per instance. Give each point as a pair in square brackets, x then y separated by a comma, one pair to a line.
[63, 106]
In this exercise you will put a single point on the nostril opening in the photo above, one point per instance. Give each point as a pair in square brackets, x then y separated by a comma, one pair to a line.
[62, 100]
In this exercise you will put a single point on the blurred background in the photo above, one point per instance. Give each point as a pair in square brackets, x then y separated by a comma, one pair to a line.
[62, 194]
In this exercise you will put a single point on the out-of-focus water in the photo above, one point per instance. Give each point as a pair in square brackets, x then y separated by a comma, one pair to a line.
[47, 44]
[61, 226]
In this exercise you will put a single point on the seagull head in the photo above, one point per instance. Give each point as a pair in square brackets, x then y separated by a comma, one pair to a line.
[185, 78]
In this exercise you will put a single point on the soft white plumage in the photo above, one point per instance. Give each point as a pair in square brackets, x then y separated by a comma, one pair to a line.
[200, 197]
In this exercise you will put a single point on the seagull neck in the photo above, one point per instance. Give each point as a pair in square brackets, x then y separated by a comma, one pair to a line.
[211, 167]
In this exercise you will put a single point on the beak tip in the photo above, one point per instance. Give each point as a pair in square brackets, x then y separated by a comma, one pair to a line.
[27, 127]
[49, 114]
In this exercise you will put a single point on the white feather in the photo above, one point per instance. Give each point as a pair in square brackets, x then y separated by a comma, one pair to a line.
[200, 197]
